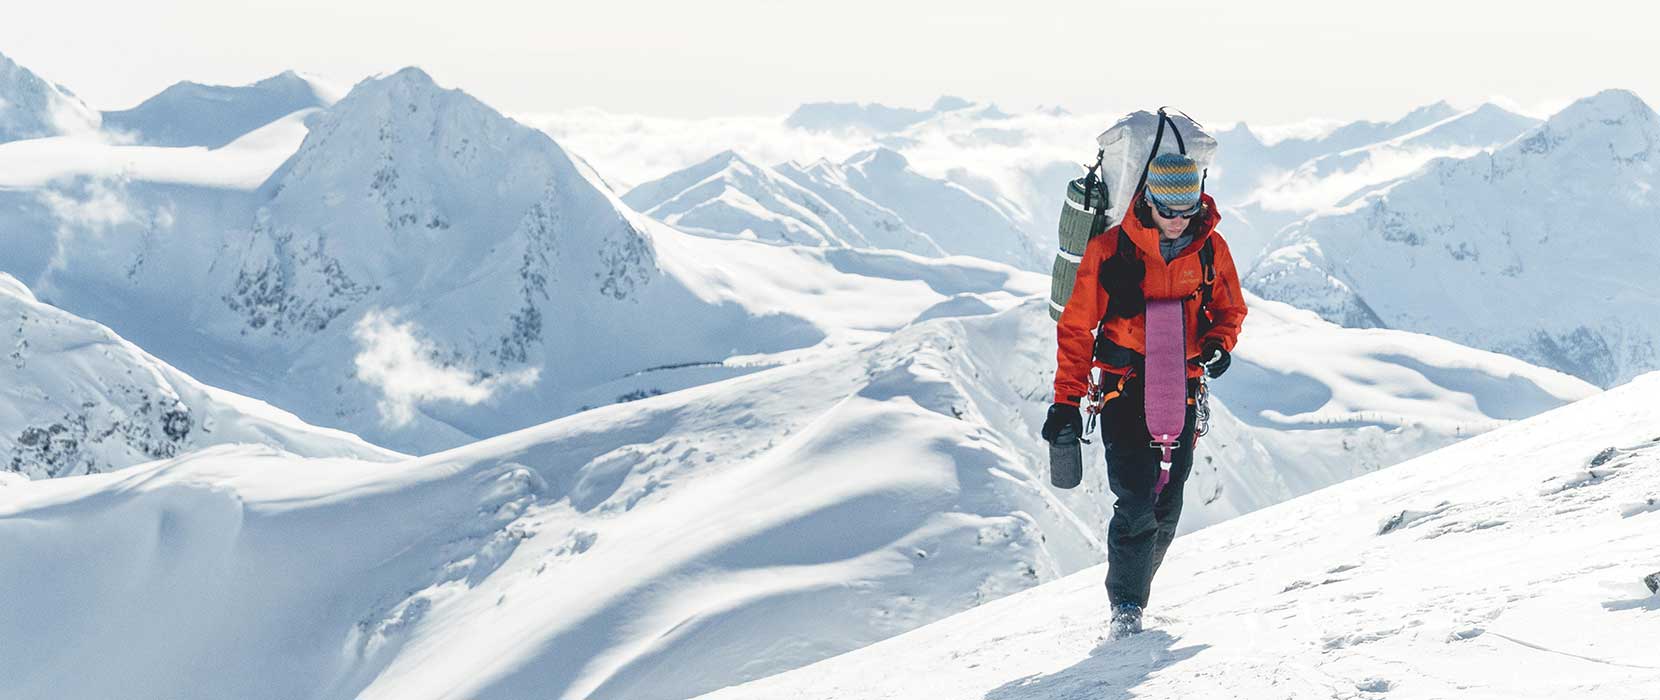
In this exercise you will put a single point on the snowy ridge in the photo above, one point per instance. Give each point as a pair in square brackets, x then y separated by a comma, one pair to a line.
[730, 194]
[1506, 566]
[1544, 225]
[193, 114]
[79, 400]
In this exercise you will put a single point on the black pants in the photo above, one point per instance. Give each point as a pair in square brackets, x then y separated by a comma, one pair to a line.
[1142, 527]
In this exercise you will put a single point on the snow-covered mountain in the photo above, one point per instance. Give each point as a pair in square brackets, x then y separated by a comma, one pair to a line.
[959, 221]
[1536, 250]
[1507, 566]
[425, 272]
[1265, 195]
[31, 107]
[78, 399]
[684, 542]
[193, 114]
[874, 199]
[879, 118]
[730, 195]
[1245, 159]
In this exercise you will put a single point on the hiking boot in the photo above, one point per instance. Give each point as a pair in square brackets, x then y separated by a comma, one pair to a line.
[1126, 620]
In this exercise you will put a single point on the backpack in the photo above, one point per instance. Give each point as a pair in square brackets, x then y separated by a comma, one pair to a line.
[1089, 206]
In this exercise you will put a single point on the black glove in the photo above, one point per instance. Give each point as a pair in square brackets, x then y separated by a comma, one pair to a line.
[1062, 416]
[1214, 359]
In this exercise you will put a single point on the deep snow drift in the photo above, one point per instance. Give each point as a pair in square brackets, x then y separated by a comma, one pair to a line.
[1506, 566]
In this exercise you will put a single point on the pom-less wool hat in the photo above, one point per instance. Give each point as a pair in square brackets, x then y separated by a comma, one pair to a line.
[1173, 180]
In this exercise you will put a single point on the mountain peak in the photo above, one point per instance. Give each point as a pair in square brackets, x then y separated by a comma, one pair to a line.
[947, 103]
[1426, 115]
[412, 75]
[1616, 120]
[32, 107]
[1604, 105]
[881, 158]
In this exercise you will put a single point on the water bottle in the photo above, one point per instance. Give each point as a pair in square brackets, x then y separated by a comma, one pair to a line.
[1066, 459]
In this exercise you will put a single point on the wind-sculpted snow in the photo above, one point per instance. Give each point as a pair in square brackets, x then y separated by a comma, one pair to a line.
[78, 399]
[679, 543]
[1535, 250]
[1507, 566]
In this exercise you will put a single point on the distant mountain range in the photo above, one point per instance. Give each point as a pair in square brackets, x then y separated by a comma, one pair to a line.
[1534, 250]
[872, 200]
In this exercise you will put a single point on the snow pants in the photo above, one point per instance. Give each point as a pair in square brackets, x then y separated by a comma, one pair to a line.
[1142, 526]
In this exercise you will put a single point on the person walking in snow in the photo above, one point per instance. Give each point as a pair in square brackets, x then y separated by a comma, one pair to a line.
[1167, 247]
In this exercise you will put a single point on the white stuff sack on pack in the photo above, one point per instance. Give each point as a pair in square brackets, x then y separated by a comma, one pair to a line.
[1125, 148]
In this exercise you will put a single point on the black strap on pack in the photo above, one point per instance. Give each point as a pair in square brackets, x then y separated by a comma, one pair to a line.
[1207, 262]
[1158, 138]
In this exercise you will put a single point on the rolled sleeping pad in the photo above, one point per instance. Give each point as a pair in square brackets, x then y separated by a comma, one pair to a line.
[1066, 460]
[1076, 223]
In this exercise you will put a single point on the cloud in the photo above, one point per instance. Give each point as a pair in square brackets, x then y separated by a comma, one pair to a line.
[98, 219]
[405, 368]
[1304, 190]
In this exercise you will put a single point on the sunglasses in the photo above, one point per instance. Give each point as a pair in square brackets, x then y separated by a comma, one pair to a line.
[1169, 213]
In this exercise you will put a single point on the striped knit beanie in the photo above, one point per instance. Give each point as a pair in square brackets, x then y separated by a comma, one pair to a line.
[1173, 180]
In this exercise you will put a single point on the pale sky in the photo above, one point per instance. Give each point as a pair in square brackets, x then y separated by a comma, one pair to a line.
[1220, 60]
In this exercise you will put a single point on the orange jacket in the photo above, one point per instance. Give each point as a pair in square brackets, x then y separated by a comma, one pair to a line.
[1177, 279]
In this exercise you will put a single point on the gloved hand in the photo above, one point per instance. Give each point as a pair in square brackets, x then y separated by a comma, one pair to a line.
[1214, 359]
[1062, 415]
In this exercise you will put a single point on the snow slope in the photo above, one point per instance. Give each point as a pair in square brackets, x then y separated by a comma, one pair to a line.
[1506, 566]
[78, 399]
[193, 114]
[671, 545]
[31, 107]
[1308, 404]
[1535, 250]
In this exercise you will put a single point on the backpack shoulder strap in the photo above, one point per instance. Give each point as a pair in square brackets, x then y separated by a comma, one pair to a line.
[1207, 263]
